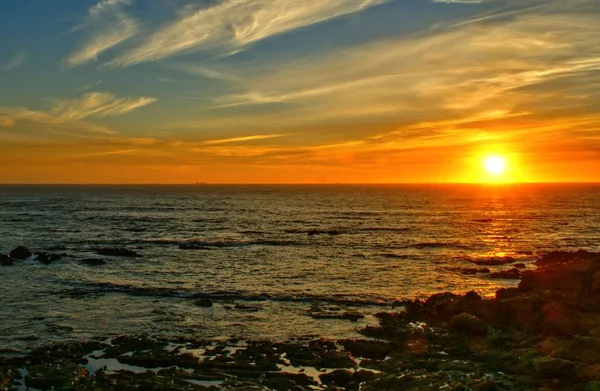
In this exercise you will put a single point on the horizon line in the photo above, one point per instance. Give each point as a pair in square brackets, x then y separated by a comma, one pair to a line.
[299, 183]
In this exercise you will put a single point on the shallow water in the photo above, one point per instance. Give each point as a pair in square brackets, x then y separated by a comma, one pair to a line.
[282, 249]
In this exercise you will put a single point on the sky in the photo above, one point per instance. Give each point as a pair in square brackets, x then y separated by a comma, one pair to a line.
[298, 91]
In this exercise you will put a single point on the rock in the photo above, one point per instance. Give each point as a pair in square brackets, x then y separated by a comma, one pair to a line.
[596, 281]
[248, 308]
[375, 350]
[204, 302]
[520, 266]
[93, 262]
[468, 323]
[46, 258]
[474, 270]
[507, 293]
[511, 274]
[20, 253]
[339, 377]
[494, 261]
[552, 368]
[5, 260]
[117, 252]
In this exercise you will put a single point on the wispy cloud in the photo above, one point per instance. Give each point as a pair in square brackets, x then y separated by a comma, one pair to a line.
[243, 139]
[506, 64]
[96, 105]
[204, 72]
[70, 113]
[108, 25]
[233, 24]
[16, 61]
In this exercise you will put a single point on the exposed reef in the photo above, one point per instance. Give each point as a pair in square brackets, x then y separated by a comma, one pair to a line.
[542, 335]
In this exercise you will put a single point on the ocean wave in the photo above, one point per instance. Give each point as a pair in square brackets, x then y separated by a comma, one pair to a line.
[211, 244]
[434, 245]
[85, 290]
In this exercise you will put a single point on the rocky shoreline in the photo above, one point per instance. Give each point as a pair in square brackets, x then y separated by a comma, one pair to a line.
[542, 335]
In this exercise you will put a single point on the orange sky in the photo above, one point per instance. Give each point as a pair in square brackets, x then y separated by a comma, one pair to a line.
[279, 91]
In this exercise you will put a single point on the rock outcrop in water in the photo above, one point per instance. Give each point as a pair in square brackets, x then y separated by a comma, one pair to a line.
[542, 335]
[20, 253]
[5, 260]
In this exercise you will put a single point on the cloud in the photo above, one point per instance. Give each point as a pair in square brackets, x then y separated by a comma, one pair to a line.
[243, 139]
[233, 24]
[69, 113]
[510, 64]
[16, 61]
[204, 72]
[108, 26]
[97, 105]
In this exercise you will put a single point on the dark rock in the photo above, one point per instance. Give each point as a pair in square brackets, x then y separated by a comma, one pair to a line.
[204, 302]
[248, 308]
[46, 258]
[551, 368]
[368, 349]
[474, 270]
[520, 266]
[494, 261]
[20, 253]
[117, 252]
[5, 260]
[468, 323]
[93, 262]
[510, 274]
[507, 293]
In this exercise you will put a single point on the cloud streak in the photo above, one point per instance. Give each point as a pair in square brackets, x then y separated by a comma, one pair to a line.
[108, 25]
[15, 62]
[70, 113]
[234, 24]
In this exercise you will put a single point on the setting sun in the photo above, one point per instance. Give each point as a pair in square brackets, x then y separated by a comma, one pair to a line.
[495, 165]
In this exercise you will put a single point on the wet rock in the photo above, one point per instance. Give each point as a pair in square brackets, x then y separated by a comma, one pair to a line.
[468, 323]
[507, 293]
[555, 257]
[510, 274]
[117, 252]
[5, 260]
[247, 308]
[204, 302]
[20, 253]
[551, 368]
[93, 262]
[368, 349]
[47, 259]
[494, 261]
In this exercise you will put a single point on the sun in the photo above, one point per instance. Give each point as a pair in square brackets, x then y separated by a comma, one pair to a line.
[495, 165]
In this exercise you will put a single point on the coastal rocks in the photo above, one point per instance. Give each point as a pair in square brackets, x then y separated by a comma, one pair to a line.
[47, 258]
[549, 367]
[467, 323]
[117, 252]
[375, 350]
[20, 253]
[510, 274]
[494, 261]
[321, 311]
[5, 260]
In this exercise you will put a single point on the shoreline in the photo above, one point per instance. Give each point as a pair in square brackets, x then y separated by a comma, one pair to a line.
[544, 334]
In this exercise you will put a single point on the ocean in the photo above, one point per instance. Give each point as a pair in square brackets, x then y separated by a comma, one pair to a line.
[269, 257]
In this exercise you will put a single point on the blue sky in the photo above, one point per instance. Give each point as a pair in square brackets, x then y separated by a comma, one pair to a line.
[297, 90]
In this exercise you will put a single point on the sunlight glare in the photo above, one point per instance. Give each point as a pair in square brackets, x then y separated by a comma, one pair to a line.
[495, 165]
